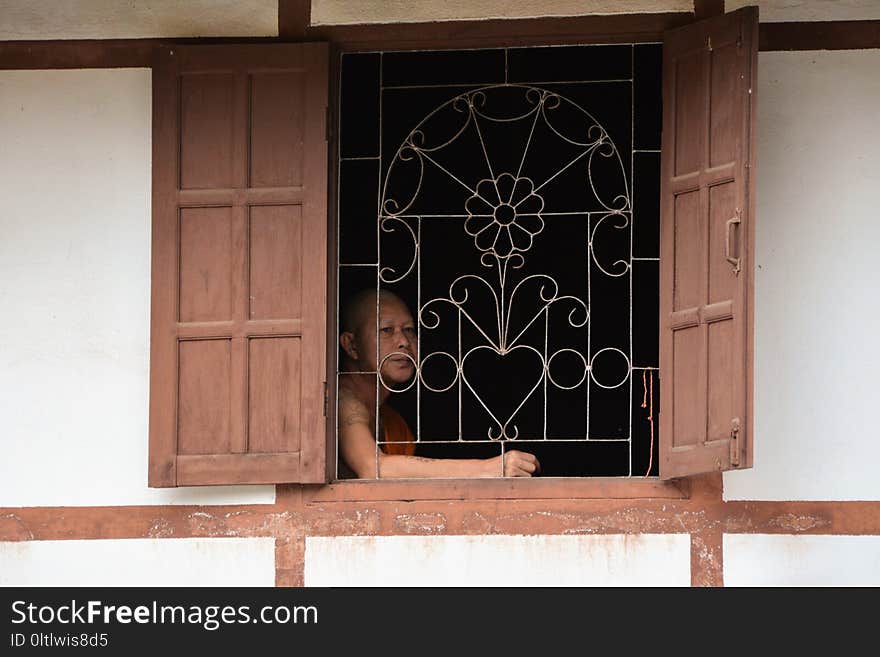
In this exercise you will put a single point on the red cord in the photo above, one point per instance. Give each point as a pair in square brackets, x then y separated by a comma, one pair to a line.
[650, 415]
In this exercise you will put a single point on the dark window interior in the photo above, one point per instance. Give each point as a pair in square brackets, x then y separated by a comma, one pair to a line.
[563, 142]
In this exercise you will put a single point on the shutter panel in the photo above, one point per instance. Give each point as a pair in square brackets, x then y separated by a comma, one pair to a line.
[707, 241]
[239, 268]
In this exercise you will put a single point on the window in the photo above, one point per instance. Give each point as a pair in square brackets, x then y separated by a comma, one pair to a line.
[239, 327]
[494, 191]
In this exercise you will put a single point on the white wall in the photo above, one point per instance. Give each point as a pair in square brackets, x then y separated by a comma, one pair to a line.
[817, 435]
[782, 560]
[112, 19]
[810, 10]
[328, 12]
[593, 560]
[75, 293]
[139, 562]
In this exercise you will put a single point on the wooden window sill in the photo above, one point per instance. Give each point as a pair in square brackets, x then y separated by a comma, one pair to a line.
[364, 490]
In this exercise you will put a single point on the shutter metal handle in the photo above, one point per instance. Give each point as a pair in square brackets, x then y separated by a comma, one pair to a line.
[734, 261]
[735, 425]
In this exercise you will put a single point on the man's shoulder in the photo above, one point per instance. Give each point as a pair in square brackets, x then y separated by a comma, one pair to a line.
[351, 407]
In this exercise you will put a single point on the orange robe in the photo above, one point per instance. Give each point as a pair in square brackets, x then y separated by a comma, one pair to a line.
[396, 431]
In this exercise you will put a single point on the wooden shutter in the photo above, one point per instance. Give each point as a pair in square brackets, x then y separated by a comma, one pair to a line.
[238, 343]
[707, 241]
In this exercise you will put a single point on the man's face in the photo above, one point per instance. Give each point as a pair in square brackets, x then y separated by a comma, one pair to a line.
[398, 342]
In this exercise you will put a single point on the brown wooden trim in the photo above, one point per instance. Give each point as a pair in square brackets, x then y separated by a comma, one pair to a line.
[220, 469]
[820, 35]
[751, 206]
[253, 328]
[498, 489]
[314, 276]
[98, 53]
[332, 328]
[105, 53]
[163, 272]
[171, 521]
[858, 518]
[707, 558]
[550, 517]
[195, 198]
[708, 8]
[294, 18]
[290, 557]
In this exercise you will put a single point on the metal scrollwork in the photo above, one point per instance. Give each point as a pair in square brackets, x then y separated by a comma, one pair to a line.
[503, 218]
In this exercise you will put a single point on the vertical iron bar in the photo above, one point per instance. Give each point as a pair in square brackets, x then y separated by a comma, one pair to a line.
[546, 368]
[458, 363]
[418, 329]
[589, 380]
[378, 268]
[338, 241]
[632, 216]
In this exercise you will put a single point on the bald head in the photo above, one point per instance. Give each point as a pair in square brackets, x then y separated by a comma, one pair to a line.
[395, 343]
[359, 310]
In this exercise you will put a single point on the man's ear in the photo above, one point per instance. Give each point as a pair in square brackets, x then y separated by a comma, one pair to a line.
[346, 341]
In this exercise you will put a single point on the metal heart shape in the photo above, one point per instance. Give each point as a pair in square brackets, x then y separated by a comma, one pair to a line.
[493, 364]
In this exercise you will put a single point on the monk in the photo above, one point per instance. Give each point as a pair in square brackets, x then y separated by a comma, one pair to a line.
[398, 352]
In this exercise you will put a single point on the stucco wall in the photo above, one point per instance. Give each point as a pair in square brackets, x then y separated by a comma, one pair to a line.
[816, 312]
[763, 560]
[111, 19]
[810, 10]
[609, 560]
[75, 292]
[139, 562]
[340, 12]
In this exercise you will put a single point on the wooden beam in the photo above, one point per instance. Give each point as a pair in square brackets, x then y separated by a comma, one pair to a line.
[385, 518]
[294, 19]
[98, 53]
[708, 8]
[104, 53]
[137, 53]
[621, 28]
[820, 35]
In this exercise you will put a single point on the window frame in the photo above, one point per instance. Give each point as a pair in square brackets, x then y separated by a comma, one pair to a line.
[564, 487]
[434, 489]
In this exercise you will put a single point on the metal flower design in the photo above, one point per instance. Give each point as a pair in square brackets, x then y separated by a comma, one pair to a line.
[504, 215]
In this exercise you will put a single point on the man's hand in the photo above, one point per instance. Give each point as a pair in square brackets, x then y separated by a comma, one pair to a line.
[517, 464]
